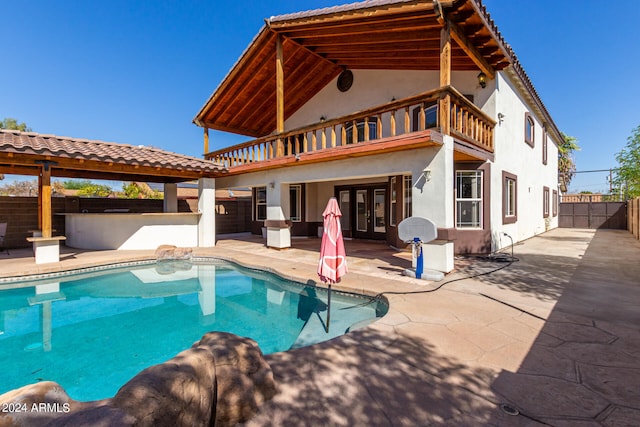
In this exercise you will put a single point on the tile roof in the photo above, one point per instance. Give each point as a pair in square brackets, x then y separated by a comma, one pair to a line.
[30, 143]
[336, 9]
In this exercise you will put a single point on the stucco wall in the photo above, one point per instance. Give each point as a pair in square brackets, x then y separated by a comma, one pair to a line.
[514, 155]
[376, 87]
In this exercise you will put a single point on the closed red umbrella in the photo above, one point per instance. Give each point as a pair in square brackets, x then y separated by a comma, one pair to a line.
[333, 258]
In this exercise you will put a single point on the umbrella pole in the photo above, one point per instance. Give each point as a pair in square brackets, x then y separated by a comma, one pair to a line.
[328, 309]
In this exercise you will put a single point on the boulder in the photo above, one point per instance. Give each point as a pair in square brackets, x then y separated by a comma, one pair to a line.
[221, 380]
[244, 379]
[35, 404]
[168, 252]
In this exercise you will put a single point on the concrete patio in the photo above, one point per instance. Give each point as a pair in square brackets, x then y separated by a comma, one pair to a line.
[554, 337]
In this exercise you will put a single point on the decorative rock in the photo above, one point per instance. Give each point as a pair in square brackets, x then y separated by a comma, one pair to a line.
[172, 252]
[222, 376]
[34, 404]
[245, 380]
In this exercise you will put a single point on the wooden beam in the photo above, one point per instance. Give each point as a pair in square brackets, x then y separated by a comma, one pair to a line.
[45, 190]
[279, 85]
[458, 35]
[445, 79]
[39, 201]
[206, 140]
[279, 94]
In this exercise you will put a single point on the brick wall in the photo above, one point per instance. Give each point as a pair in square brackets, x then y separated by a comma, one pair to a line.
[21, 213]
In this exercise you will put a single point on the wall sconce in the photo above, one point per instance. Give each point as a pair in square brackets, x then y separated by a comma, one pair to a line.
[500, 118]
[426, 173]
[272, 185]
[322, 119]
[482, 79]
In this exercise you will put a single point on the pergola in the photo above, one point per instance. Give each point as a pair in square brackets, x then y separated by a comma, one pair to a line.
[47, 156]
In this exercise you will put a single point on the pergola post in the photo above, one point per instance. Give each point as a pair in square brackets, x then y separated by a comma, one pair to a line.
[170, 201]
[46, 247]
[45, 192]
[207, 210]
[445, 78]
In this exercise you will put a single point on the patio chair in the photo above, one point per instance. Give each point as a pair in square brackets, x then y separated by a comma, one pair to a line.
[3, 232]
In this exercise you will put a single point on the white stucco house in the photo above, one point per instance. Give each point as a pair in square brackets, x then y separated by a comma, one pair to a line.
[397, 109]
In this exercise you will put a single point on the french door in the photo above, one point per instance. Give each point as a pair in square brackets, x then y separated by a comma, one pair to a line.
[365, 216]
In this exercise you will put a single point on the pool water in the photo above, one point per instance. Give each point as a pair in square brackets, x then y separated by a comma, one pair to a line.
[93, 332]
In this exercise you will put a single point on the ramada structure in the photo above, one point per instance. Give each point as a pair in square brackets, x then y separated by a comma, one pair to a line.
[397, 108]
[47, 156]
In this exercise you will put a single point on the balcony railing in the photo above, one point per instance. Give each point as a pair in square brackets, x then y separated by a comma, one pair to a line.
[417, 113]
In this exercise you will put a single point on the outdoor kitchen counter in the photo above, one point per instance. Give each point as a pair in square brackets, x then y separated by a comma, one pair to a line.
[124, 230]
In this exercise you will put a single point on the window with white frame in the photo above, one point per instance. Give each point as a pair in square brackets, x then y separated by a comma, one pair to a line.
[545, 202]
[509, 198]
[407, 192]
[529, 129]
[260, 202]
[295, 202]
[545, 148]
[469, 199]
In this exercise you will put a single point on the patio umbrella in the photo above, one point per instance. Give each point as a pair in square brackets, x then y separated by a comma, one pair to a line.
[333, 259]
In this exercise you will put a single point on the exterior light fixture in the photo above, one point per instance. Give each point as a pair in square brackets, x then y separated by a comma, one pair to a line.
[426, 173]
[482, 79]
[501, 118]
[322, 119]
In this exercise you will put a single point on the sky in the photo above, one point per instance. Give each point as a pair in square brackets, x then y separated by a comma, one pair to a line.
[137, 72]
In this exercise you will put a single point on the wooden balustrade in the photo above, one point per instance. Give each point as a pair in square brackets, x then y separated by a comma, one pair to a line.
[404, 116]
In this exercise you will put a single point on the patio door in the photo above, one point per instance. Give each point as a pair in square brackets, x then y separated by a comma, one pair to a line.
[369, 208]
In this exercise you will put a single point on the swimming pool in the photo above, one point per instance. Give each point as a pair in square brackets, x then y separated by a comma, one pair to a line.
[92, 332]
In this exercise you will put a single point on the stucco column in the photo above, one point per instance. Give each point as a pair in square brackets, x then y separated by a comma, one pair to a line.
[278, 232]
[170, 197]
[434, 199]
[207, 210]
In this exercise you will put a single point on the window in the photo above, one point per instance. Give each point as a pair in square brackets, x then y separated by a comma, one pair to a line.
[529, 129]
[393, 205]
[509, 198]
[295, 202]
[372, 123]
[260, 202]
[345, 208]
[544, 146]
[469, 199]
[555, 202]
[545, 202]
[430, 117]
[407, 190]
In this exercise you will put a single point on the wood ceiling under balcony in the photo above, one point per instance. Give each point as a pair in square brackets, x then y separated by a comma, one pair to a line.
[318, 45]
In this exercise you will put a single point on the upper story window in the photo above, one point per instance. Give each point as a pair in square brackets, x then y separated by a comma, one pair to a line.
[529, 129]
[509, 198]
[469, 199]
[544, 146]
[372, 125]
[430, 117]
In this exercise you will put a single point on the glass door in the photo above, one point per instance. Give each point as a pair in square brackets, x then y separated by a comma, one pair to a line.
[379, 224]
[370, 207]
[363, 211]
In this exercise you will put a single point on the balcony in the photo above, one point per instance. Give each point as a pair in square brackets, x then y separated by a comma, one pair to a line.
[397, 125]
